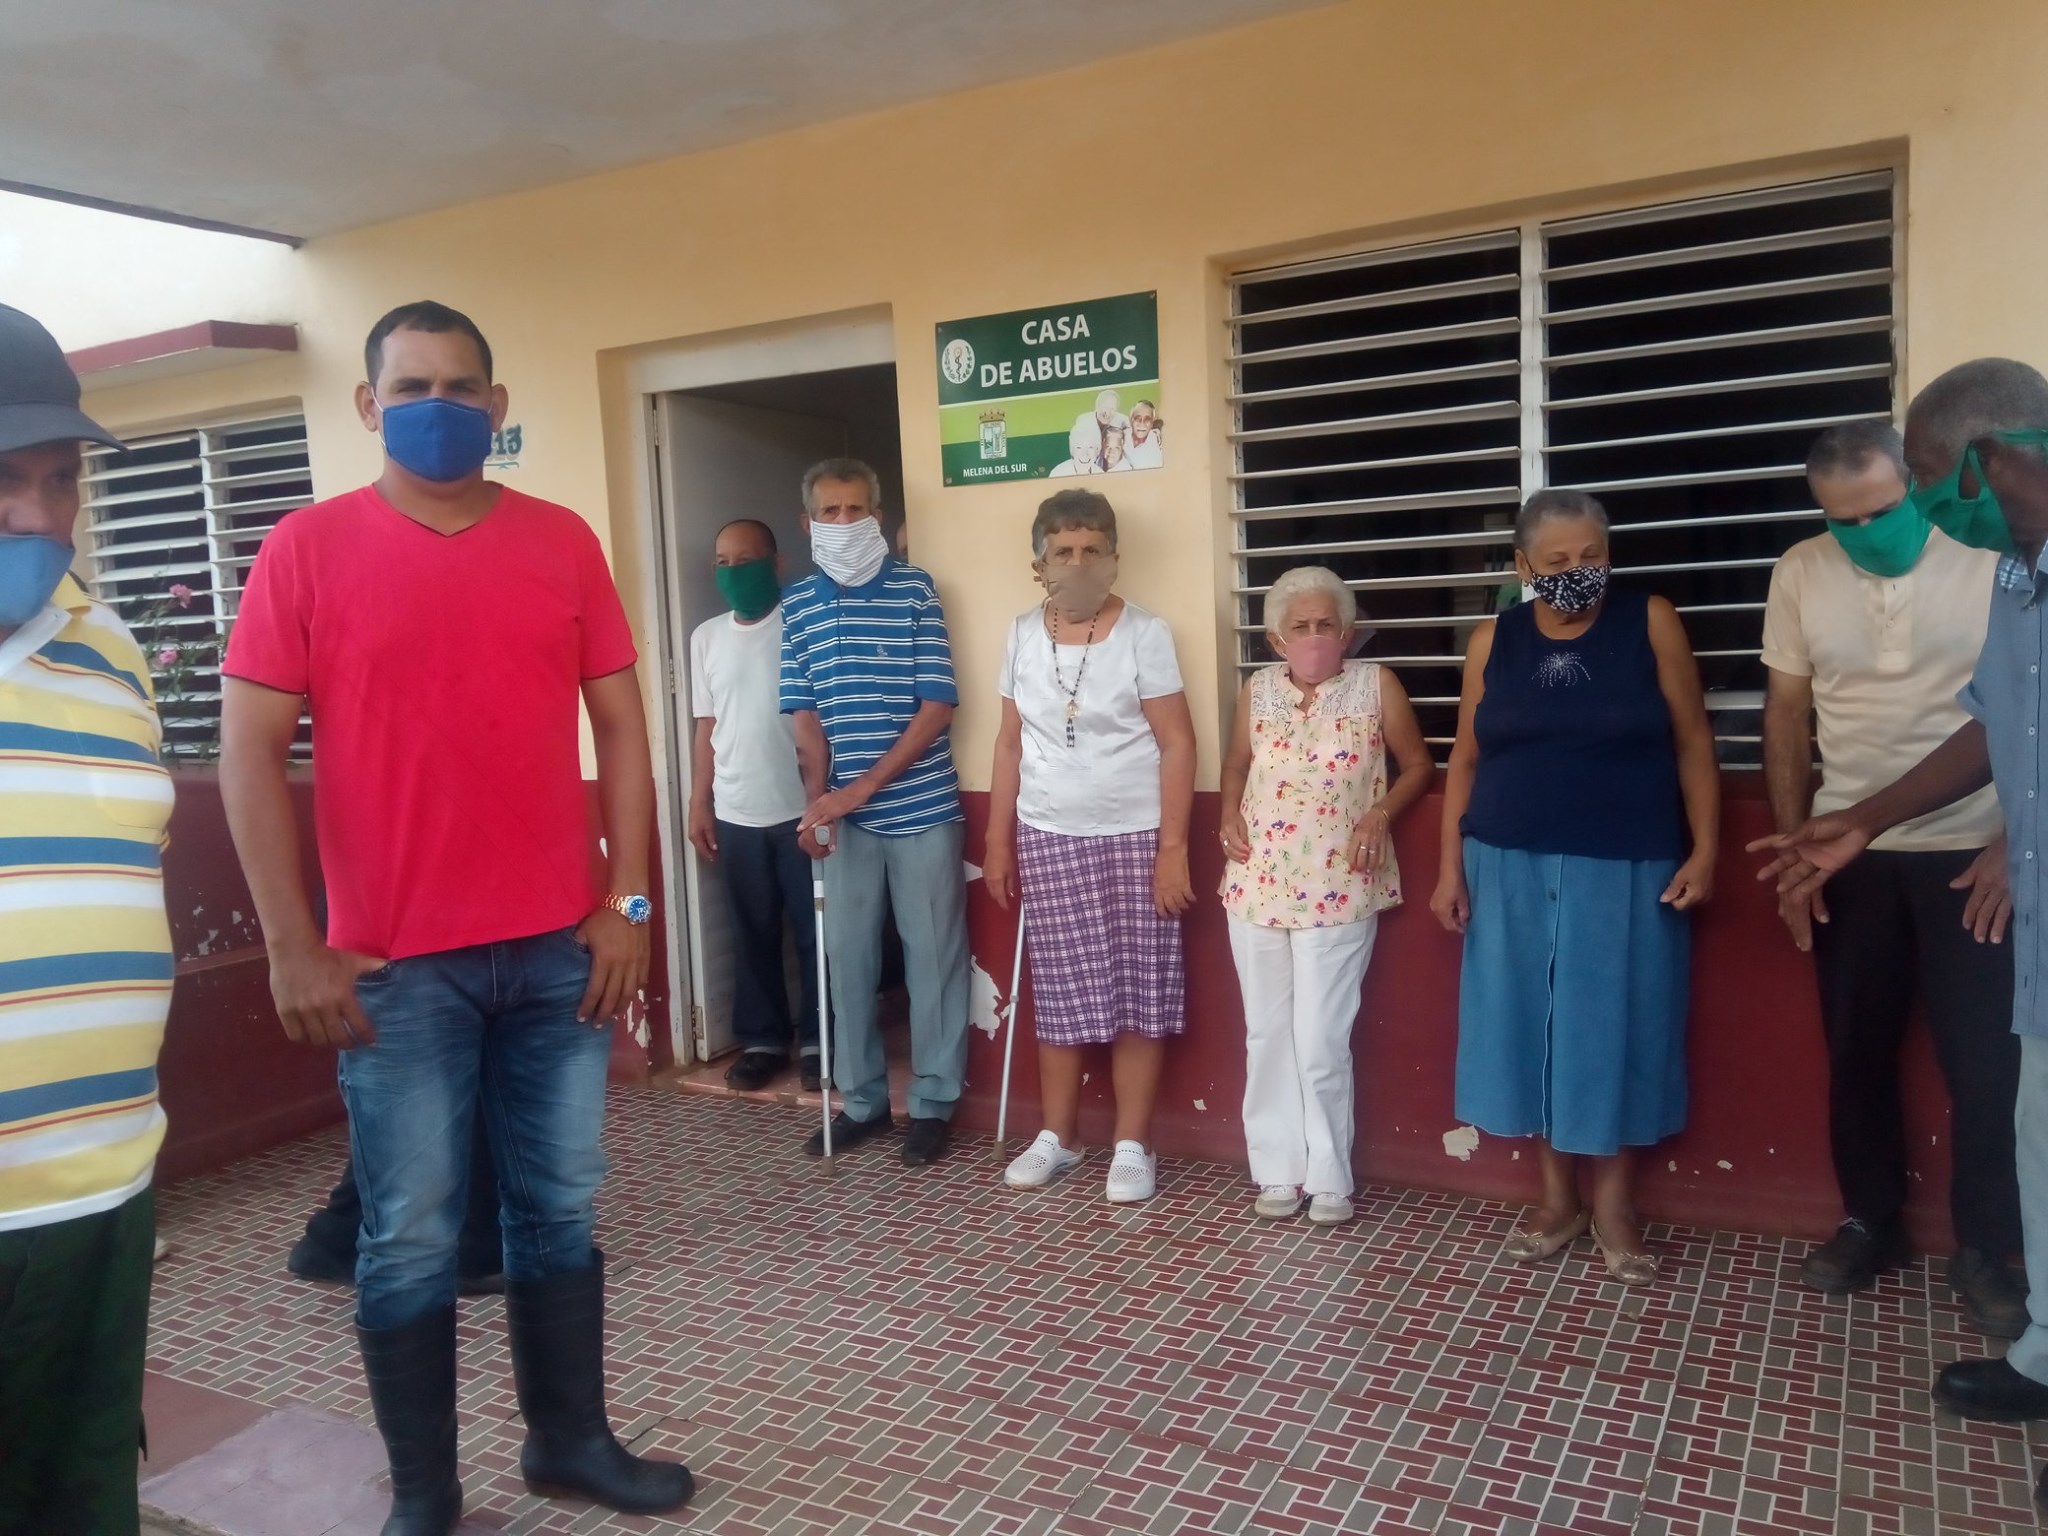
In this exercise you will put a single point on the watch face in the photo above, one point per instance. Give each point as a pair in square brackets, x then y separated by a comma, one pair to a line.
[638, 909]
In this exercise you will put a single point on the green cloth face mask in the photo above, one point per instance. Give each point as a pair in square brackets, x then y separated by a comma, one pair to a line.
[1978, 520]
[1887, 545]
[750, 589]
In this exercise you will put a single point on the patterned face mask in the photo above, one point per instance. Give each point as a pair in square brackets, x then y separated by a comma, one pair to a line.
[1574, 591]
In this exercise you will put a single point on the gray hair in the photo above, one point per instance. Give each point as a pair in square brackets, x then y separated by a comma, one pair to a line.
[1300, 582]
[1975, 399]
[1070, 509]
[843, 469]
[1848, 449]
[1553, 507]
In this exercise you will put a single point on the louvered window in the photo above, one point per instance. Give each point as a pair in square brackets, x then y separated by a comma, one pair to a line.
[183, 512]
[1393, 407]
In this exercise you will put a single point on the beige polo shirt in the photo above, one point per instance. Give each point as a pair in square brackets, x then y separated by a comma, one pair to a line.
[1887, 656]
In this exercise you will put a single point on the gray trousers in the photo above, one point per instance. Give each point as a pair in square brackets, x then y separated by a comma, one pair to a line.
[927, 890]
[2029, 1353]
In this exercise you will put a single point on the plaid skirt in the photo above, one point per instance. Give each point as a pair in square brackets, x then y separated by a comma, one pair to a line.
[1102, 958]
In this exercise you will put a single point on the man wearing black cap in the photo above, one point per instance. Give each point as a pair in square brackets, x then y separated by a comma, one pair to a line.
[85, 981]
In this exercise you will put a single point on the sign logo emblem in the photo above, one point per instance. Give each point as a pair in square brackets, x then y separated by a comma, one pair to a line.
[957, 361]
[995, 435]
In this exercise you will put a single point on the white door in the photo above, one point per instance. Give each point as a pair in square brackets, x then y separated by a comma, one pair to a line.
[723, 461]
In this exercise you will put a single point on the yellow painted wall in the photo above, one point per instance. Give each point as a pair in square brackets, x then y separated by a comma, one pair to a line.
[1362, 121]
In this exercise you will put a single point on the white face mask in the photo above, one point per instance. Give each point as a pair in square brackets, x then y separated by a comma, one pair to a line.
[850, 553]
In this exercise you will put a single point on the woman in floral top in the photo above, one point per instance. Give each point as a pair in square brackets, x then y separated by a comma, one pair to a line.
[1308, 832]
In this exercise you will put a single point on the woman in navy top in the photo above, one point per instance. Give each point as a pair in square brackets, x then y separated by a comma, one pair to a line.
[1581, 810]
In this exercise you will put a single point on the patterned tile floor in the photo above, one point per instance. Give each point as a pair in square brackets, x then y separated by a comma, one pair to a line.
[892, 1351]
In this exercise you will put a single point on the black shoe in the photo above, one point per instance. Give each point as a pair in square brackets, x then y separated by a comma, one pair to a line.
[755, 1070]
[1990, 1389]
[848, 1133]
[557, 1330]
[1854, 1257]
[411, 1371]
[491, 1284]
[809, 1067]
[1992, 1297]
[928, 1141]
[313, 1260]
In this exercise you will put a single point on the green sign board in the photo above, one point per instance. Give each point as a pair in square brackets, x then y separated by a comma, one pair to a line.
[1068, 389]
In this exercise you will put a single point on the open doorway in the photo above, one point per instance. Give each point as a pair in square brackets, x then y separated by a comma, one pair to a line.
[739, 450]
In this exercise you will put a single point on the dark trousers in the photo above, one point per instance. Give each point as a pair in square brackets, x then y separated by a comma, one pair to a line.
[1896, 934]
[74, 1326]
[479, 1251]
[768, 884]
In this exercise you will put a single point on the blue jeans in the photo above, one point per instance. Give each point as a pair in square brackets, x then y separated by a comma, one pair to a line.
[768, 883]
[925, 886]
[493, 1026]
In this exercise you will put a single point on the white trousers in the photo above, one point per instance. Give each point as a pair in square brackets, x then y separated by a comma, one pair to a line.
[1301, 997]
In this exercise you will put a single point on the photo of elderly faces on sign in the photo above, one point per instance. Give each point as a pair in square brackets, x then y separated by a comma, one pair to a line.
[1108, 439]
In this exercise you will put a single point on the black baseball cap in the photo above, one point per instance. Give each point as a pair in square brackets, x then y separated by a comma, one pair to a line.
[38, 391]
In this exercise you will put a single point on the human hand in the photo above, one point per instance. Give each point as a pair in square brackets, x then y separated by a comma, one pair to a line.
[314, 988]
[1807, 855]
[1693, 884]
[1452, 903]
[1370, 840]
[703, 830]
[1237, 841]
[999, 872]
[1989, 908]
[618, 965]
[1172, 892]
[1799, 914]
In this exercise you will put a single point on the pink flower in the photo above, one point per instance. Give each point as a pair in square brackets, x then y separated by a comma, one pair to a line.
[167, 656]
[182, 593]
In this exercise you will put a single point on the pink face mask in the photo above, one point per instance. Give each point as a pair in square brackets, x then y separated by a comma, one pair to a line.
[1315, 659]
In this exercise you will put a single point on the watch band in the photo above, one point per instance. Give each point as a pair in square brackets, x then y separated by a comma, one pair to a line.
[634, 909]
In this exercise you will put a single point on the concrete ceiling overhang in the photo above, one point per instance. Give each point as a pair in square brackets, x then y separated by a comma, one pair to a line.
[298, 119]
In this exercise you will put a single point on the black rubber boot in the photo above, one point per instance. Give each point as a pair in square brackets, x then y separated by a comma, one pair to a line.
[411, 1371]
[557, 1330]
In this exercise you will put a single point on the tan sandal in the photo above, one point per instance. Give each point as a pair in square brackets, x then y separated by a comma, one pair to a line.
[1531, 1247]
[1628, 1268]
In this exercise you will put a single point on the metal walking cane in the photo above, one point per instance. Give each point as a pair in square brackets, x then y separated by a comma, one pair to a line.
[1010, 1039]
[824, 836]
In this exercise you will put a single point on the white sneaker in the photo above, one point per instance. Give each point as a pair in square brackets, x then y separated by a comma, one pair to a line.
[1040, 1163]
[1328, 1210]
[1133, 1174]
[1277, 1201]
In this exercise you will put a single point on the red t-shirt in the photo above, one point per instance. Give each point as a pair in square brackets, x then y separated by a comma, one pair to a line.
[443, 675]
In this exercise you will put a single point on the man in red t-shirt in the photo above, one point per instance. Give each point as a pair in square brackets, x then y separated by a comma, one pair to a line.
[440, 630]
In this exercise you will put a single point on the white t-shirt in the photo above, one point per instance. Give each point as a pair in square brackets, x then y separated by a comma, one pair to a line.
[1887, 656]
[1066, 467]
[1149, 454]
[735, 681]
[1107, 782]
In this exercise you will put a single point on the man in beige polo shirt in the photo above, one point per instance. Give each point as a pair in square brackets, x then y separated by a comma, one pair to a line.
[1871, 630]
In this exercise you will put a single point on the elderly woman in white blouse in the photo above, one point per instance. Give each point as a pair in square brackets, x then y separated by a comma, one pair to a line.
[1088, 822]
[1309, 807]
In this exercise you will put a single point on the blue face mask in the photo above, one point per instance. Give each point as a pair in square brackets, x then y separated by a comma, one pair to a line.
[437, 439]
[30, 568]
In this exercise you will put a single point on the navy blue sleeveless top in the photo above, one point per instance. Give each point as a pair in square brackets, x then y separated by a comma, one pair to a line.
[1575, 749]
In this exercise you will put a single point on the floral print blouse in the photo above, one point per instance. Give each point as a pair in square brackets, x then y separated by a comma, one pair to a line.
[1312, 777]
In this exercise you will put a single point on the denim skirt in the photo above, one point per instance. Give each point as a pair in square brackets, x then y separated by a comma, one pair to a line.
[1572, 1000]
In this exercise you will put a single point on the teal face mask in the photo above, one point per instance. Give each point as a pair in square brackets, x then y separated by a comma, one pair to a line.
[1977, 521]
[1889, 544]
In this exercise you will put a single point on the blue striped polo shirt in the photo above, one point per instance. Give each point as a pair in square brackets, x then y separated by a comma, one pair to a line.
[864, 658]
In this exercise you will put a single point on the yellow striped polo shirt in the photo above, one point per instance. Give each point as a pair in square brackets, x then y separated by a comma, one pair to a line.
[85, 946]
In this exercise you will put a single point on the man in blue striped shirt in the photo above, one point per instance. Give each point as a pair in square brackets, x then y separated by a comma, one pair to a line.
[867, 670]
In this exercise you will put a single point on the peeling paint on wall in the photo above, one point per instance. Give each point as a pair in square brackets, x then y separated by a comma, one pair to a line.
[1202, 1105]
[1462, 1142]
[1725, 1166]
[986, 1009]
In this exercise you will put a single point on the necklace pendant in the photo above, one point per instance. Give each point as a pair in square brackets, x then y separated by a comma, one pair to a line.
[1073, 709]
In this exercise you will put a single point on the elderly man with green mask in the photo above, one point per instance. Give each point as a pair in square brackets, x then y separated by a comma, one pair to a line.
[1975, 441]
[746, 797]
[1871, 629]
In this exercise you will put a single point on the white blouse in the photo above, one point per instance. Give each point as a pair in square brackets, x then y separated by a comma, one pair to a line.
[1107, 783]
